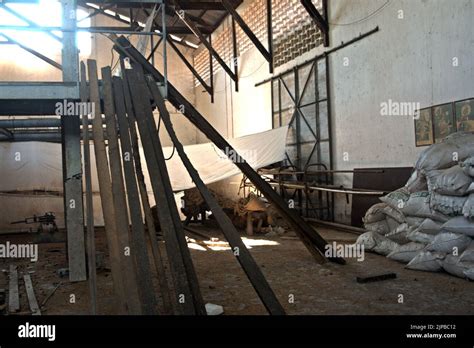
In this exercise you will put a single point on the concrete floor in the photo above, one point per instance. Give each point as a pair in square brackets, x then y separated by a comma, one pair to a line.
[289, 268]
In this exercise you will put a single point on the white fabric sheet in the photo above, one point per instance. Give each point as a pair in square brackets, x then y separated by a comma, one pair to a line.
[33, 166]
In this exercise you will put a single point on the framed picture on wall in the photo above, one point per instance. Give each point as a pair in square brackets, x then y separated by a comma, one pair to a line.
[443, 121]
[465, 115]
[424, 128]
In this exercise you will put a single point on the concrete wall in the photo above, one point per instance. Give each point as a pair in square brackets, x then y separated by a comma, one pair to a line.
[409, 60]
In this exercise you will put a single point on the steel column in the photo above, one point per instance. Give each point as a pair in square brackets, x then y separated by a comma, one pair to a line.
[73, 208]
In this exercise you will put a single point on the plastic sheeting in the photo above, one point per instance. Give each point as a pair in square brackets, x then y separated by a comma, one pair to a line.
[35, 166]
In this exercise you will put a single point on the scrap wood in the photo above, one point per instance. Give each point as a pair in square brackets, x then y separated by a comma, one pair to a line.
[30, 293]
[13, 295]
[377, 278]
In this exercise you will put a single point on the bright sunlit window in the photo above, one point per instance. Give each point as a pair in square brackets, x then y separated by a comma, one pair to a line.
[46, 13]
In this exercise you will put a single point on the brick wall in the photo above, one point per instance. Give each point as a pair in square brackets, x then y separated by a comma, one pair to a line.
[294, 33]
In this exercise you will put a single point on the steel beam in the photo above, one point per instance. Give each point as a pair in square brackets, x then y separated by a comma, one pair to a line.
[73, 207]
[235, 55]
[183, 16]
[33, 52]
[211, 71]
[39, 90]
[270, 32]
[247, 30]
[70, 52]
[185, 4]
[28, 21]
[320, 21]
[190, 67]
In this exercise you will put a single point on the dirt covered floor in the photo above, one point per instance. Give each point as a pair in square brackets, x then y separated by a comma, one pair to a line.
[302, 285]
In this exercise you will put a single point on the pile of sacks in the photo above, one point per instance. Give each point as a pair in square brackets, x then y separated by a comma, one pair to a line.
[429, 223]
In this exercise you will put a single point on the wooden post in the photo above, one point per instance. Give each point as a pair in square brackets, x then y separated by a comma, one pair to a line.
[118, 194]
[89, 195]
[239, 249]
[155, 248]
[105, 186]
[189, 295]
[30, 293]
[139, 248]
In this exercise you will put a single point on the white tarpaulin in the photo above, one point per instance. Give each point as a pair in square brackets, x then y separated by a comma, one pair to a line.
[259, 150]
[36, 166]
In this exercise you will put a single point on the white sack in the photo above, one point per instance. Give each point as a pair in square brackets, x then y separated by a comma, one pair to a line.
[460, 224]
[468, 254]
[449, 242]
[448, 205]
[405, 253]
[452, 181]
[427, 261]
[375, 213]
[455, 147]
[377, 243]
[454, 266]
[397, 199]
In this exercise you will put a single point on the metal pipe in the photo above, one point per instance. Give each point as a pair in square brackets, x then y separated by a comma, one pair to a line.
[316, 172]
[52, 136]
[47, 137]
[96, 30]
[340, 190]
[33, 123]
[320, 56]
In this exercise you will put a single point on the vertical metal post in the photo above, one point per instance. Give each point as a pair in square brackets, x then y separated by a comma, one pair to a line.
[152, 46]
[165, 53]
[73, 209]
[234, 62]
[328, 101]
[71, 136]
[270, 33]
[211, 71]
[70, 53]
[326, 17]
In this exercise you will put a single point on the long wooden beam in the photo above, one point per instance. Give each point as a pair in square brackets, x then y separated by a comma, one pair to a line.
[90, 233]
[155, 248]
[137, 237]
[189, 297]
[13, 294]
[105, 189]
[239, 249]
[30, 294]
[135, 302]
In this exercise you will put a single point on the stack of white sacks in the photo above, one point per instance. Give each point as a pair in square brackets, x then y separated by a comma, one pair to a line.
[429, 223]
